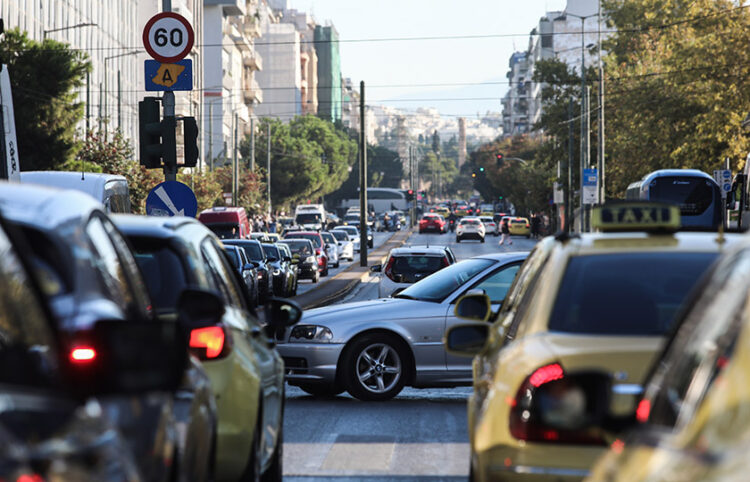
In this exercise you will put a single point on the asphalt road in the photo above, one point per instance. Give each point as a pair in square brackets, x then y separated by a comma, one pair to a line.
[419, 435]
[306, 284]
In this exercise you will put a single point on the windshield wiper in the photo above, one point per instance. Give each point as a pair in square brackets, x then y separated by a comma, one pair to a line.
[406, 297]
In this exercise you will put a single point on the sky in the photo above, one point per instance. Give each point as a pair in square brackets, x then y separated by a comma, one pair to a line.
[412, 63]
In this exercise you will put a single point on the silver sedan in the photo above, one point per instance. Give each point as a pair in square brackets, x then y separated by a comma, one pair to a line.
[372, 349]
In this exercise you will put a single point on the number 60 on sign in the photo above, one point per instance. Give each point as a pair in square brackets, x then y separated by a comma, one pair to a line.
[168, 37]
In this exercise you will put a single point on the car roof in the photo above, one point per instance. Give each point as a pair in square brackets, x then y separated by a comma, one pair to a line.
[45, 207]
[638, 241]
[295, 233]
[504, 256]
[154, 226]
[241, 242]
[421, 249]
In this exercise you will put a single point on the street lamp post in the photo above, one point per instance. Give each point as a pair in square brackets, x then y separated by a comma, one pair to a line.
[106, 87]
[45, 32]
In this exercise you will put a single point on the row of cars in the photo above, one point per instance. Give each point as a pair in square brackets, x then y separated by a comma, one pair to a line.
[616, 355]
[130, 350]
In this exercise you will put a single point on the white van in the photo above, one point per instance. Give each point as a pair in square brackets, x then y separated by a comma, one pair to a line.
[109, 189]
[310, 216]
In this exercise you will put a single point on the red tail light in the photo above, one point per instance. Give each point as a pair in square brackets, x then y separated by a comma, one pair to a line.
[643, 411]
[317, 251]
[446, 263]
[82, 354]
[209, 343]
[526, 424]
[388, 268]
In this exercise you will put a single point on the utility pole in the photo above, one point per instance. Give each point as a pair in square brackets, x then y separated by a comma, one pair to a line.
[600, 143]
[584, 147]
[210, 136]
[586, 158]
[235, 168]
[252, 144]
[362, 178]
[268, 167]
[119, 102]
[569, 200]
[88, 103]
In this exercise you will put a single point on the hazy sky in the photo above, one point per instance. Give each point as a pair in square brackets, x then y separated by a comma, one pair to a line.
[443, 61]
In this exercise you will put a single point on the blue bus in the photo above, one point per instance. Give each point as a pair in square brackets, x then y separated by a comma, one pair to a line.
[694, 191]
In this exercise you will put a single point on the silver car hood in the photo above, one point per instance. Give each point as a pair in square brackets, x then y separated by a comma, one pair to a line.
[382, 309]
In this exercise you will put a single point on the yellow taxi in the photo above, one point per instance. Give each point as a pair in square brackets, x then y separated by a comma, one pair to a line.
[519, 227]
[463, 210]
[442, 210]
[693, 421]
[592, 302]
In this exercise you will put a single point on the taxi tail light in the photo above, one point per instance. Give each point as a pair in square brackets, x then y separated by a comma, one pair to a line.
[446, 263]
[643, 410]
[210, 343]
[525, 421]
[82, 355]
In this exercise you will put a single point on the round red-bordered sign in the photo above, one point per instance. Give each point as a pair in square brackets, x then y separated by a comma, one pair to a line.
[168, 37]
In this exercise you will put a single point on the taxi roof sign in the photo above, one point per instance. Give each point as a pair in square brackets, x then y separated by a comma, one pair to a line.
[636, 216]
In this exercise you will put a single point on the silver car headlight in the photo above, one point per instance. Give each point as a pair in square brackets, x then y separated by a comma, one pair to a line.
[314, 333]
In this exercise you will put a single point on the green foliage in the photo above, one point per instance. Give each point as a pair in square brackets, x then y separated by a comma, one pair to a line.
[309, 158]
[44, 76]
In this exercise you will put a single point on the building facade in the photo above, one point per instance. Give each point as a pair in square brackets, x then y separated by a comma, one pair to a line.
[281, 77]
[329, 73]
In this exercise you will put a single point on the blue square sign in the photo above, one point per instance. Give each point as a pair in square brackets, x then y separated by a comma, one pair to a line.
[163, 77]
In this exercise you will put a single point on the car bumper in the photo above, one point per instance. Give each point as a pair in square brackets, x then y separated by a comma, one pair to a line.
[431, 228]
[520, 232]
[535, 462]
[474, 235]
[307, 270]
[312, 363]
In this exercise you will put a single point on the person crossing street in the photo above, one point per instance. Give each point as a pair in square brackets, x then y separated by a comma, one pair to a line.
[505, 232]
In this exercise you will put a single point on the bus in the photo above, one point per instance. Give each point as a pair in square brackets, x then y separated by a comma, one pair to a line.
[694, 191]
[381, 199]
[109, 189]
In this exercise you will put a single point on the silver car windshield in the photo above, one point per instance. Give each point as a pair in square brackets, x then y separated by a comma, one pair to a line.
[439, 285]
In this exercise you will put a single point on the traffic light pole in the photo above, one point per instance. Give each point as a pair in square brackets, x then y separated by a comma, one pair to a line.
[362, 178]
[170, 169]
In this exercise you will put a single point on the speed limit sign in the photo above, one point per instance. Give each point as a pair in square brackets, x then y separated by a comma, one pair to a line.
[168, 37]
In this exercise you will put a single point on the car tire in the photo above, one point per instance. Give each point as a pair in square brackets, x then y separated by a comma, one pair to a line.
[384, 357]
[421, 232]
[252, 471]
[275, 471]
[482, 239]
[321, 391]
[325, 271]
[458, 240]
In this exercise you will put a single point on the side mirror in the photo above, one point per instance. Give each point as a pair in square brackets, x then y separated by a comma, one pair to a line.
[249, 266]
[126, 357]
[466, 339]
[474, 307]
[281, 313]
[376, 268]
[199, 308]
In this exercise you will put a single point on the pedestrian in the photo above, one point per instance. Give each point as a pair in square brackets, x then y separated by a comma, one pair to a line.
[505, 232]
[272, 225]
[535, 225]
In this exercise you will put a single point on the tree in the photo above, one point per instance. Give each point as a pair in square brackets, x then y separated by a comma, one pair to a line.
[44, 76]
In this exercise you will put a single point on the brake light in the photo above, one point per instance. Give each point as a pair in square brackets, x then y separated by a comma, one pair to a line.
[525, 423]
[82, 354]
[317, 251]
[209, 343]
[643, 411]
[388, 268]
[29, 478]
[446, 263]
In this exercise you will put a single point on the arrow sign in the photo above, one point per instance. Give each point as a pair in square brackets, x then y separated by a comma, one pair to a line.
[171, 198]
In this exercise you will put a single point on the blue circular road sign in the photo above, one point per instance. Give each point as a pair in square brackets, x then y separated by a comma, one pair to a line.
[171, 198]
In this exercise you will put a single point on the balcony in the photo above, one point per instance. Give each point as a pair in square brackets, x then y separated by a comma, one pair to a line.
[253, 60]
[240, 40]
[252, 92]
[228, 7]
[251, 27]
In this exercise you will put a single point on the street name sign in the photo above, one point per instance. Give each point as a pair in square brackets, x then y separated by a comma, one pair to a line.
[168, 37]
[171, 198]
[723, 178]
[176, 76]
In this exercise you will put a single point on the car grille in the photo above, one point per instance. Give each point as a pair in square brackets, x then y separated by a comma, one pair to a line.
[295, 365]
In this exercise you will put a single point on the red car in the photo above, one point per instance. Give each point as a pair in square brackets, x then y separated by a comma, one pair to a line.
[318, 244]
[432, 222]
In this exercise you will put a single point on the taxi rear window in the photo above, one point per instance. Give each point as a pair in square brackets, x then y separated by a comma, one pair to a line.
[628, 294]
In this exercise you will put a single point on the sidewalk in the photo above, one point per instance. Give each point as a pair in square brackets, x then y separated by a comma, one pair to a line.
[341, 284]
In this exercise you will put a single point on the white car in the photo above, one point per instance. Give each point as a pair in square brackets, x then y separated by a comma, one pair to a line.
[470, 227]
[346, 247]
[332, 249]
[490, 226]
[405, 266]
[353, 234]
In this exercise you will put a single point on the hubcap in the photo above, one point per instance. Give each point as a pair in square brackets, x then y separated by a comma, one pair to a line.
[378, 368]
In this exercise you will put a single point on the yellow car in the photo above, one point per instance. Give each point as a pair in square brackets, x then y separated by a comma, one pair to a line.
[519, 227]
[692, 422]
[597, 301]
[463, 210]
[442, 210]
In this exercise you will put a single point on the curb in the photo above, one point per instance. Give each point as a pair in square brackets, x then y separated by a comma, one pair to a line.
[379, 254]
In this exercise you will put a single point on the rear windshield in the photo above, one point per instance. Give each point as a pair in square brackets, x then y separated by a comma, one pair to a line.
[225, 230]
[693, 195]
[328, 238]
[351, 217]
[298, 247]
[231, 251]
[308, 218]
[252, 250]
[163, 273]
[469, 221]
[340, 235]
[315, 238]
[518, 221]
[271, 251]
[630, 294]
[413, 268]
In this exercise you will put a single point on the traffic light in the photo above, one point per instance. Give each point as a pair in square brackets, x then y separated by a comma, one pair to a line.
[481, 169]
[474, 174]
[500, 159]
[190, 131]
[500, 197]
[410, 195]
[157, 138]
